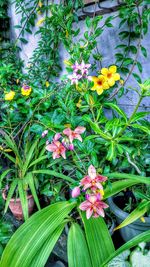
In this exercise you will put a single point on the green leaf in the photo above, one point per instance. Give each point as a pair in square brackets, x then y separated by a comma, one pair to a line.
[33, 189]
[78, 253]
[117, 109]
[135, 214]
[23, 40]
[99, 240]
[4, 174]
[10, 193]
[30, 237]
[29, 156]
[144, 237]
[138, 178]
[55, 174]
[137, 77]
[118, 186]
[23, 199]
[143, 128]
[143, 50]
[111, 151]
[42, 255]
[140, 115]
[37, 160]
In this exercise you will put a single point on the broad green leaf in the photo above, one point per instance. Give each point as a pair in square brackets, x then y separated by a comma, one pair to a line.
[32, 235]
[144, 237]
[55, 174]
[78, 253]
[42, 255]
[135, 214]
[99, 240]
[138, 178]
[118, 186]
[117, 109]
[10, 193]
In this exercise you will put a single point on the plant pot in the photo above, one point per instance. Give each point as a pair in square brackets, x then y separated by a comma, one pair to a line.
[131, 230]
[16, 208]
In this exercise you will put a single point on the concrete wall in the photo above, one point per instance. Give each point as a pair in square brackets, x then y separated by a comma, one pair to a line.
[106, 45]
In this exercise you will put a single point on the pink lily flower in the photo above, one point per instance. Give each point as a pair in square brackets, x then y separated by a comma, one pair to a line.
[93, 206]
[93, 180]
[75, 192]
[74, 134]
[56, 147]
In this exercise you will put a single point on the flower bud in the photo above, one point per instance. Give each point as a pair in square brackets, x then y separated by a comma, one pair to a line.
[75, 192]
[44, 133]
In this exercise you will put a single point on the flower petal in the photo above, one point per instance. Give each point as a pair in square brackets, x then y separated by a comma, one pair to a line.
[67, 131]
[104, 71]
[89, 213]
[51, 147]
[111, 82]
[79, 130]
[113, 69]
[116, 77]
[92, 172]
[85, 205]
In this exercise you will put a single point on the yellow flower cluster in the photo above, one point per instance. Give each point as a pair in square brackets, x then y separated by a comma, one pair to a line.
[26, 90]
[105, 80]
[10, 96]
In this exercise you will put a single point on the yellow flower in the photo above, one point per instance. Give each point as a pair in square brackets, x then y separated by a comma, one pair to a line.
[26, 90]
[9, 96]
[100, 84]
[5, 149]
[111, 75]
[40, 22]
[40, 4]
[78, 105]
[142, 219]
[67, 125]
[67, 34]
[47, 84]
[67, 62]
[121, 82]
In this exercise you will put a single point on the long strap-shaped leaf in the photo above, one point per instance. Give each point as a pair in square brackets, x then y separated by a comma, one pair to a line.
[42, 255]
[30, 181]
[10, 193]
[23, 199]
[32, 235]
[144, 237]
[117, 187]
[135, 214]
[78, 253]
[99, 240]
[4, 174]
[55, 174]
[138, 178]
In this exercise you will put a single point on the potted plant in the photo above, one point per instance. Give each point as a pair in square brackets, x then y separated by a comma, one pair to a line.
[18, 183]
[129, 208]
